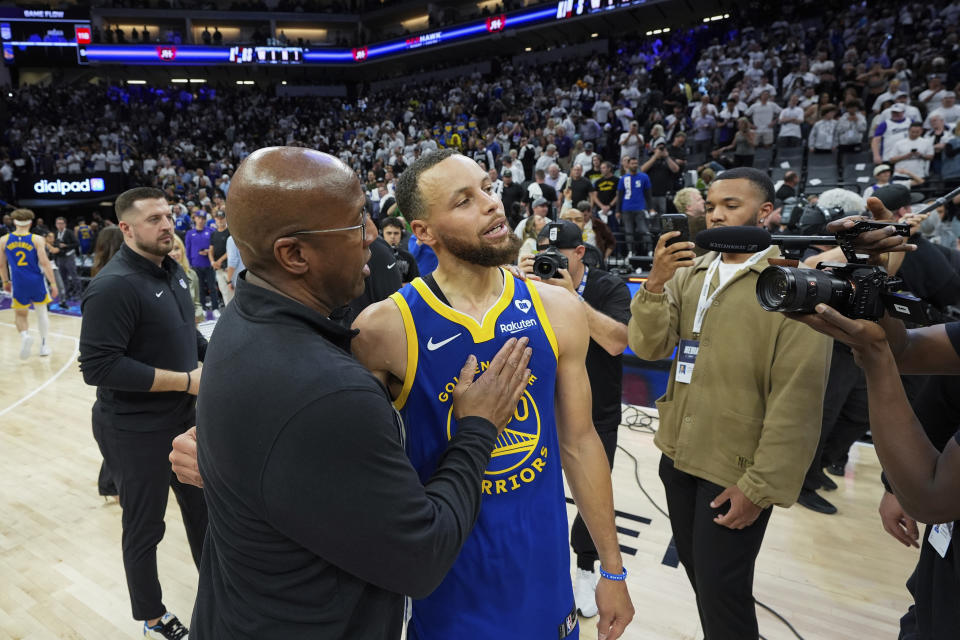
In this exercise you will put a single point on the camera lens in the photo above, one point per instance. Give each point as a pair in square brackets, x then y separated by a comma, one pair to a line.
[800, 290]
[545, 268]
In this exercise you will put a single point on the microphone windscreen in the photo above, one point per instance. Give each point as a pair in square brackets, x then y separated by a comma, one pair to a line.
[734, 239]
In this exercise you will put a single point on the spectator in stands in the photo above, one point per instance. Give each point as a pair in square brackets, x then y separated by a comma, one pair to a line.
[888, 132]
[851, 128]
[690, 202]
[764, 113]
[744, 144]
[606, 196]
[950, 170]
[823, 136]
[585, 157]
[939, 135]
[631, 141]
[556, 178]
[791, 119]
[949, 110]
[932, 96]
[912, 155]
[704, 128]
[197, 243]
[633, 196]
[881, 175]
[791, 179]
[663, 173]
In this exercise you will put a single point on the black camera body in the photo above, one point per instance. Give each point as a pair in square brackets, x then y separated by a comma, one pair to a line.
[548, 262]
[854, 289]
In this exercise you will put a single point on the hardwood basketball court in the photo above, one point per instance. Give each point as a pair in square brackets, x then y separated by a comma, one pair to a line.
[833, 577]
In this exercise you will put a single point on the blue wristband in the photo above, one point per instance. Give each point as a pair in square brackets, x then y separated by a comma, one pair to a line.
[618, 577]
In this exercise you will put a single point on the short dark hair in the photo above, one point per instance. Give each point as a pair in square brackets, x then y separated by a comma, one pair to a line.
[126, 200]
[391, 221]
[761, 181]
[409, 199]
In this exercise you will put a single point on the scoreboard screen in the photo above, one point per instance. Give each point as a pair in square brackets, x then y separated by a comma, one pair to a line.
[43, 37]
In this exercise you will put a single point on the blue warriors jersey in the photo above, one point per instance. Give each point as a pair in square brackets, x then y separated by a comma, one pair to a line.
[512, 577]
[85, 238]
[25, 274]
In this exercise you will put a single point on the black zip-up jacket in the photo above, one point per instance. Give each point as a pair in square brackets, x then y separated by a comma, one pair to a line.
[318, 521]
[138, 317]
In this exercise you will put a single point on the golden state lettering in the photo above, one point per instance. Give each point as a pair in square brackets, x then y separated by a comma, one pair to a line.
[20, 244]
[448, 388]
[525, 476]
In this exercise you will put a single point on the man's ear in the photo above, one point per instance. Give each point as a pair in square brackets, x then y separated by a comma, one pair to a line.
[421, 229]
[288, 252]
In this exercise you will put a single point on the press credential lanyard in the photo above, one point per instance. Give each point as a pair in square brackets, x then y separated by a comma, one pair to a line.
[704, 303]
[583, 281]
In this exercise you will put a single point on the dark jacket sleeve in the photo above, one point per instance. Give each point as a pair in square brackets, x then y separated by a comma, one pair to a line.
[69, 241]
[111, 310]
[338, 481]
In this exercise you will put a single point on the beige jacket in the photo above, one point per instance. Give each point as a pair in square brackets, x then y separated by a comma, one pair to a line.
[751, 415]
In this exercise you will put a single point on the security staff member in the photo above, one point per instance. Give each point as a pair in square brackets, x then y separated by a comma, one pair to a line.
[140, 347]
[740, 419]
[607, 301]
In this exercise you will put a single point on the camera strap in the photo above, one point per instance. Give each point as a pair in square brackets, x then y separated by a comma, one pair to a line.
[703, 305]
[583, 281]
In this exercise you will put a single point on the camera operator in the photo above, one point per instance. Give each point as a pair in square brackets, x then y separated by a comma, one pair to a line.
[607, 301]
[845, 402]
[739, 422]
[392, 231]
[925, 480]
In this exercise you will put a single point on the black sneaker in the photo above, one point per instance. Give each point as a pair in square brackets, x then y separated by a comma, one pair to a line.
[811, 500]
[825, 482]
[168, 628]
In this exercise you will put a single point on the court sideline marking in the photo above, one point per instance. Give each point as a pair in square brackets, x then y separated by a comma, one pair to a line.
[71, 360]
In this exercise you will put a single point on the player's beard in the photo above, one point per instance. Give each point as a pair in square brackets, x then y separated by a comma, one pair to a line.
[484, 255]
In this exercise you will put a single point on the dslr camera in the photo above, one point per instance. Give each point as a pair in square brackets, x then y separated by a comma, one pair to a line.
[854, 289]
[548, 262]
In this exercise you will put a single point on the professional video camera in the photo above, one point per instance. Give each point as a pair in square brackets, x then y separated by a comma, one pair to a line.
[855, 289]
[799, 216]
[549, 261]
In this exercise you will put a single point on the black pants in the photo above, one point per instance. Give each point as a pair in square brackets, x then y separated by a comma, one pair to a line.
[139, 465]
[207, 286]
[935, 587]
[845, 414]
[719, 561]
[580, 539]
[71, 279]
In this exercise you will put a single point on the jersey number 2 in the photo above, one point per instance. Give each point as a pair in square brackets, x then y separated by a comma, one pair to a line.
[22, 261]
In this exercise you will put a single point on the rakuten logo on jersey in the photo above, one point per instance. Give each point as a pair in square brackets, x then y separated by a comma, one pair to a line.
[64, 187]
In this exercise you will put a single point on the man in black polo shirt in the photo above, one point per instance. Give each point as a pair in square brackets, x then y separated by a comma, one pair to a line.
[607, 301]
[318, 521]
[139, 346]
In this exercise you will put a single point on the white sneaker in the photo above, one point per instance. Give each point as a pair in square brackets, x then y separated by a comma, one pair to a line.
[584, 592]
[44, 348]
[26, 343]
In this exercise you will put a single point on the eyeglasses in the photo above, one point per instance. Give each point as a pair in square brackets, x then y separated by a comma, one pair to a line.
[362, 226]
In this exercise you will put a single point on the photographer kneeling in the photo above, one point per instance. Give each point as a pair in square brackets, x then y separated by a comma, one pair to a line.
[925, 480]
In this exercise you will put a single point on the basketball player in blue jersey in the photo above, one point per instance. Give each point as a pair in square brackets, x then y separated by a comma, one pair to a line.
[84, 236]
[23, 252]
[512, 577]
